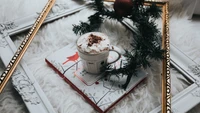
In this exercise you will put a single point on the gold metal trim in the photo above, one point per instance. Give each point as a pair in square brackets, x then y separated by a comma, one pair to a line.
[166, 79]
[24, 45]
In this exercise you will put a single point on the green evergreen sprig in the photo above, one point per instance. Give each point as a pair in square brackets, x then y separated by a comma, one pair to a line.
[146, 43]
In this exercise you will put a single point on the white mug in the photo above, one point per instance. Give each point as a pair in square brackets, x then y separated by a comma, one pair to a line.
[93, 63]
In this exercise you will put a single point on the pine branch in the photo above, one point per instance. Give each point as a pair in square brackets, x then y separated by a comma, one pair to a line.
[98, 5]
[153, 11]
[94, 22]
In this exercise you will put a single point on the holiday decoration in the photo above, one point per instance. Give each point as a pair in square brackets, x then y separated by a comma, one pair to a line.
[146, 43]
[123, 7]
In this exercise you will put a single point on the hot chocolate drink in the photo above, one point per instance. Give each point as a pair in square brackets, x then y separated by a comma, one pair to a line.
[93, 49]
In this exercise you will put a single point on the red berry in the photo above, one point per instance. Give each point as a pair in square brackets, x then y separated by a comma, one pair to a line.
[96, 82]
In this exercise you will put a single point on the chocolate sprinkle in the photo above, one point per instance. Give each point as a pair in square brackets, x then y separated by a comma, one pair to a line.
[94, 39]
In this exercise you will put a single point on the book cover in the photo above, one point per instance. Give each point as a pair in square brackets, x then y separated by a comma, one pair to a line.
[101, 91]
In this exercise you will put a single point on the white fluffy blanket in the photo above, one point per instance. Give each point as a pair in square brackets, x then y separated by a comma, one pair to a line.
[183, 32]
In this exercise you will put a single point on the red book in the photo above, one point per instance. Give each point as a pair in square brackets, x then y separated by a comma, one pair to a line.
[99, 91]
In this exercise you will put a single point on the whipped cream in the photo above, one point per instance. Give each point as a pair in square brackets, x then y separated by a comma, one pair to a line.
[93, 43]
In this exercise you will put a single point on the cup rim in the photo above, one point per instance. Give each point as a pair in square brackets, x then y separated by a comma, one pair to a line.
[91, 54]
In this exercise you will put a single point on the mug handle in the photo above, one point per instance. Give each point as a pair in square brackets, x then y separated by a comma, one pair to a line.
[119, 56]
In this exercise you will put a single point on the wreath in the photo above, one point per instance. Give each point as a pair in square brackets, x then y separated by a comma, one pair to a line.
[146, 43]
